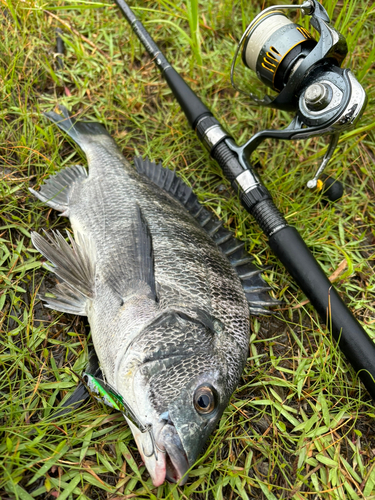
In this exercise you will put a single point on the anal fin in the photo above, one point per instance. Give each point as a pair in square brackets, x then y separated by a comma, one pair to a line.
[65, 298]
[57, 189]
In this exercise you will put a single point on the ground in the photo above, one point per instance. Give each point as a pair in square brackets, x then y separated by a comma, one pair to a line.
[301, 425]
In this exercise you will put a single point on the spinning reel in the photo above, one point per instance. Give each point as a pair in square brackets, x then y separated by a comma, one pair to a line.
[308, 78]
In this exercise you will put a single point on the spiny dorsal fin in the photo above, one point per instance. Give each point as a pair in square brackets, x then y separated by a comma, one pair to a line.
[74, 264]
[256, 289]
[57, 189]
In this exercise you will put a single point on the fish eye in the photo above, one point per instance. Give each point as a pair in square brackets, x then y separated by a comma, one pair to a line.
[204, 399]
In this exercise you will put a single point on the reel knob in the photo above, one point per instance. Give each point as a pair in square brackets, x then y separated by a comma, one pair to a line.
[331, 188]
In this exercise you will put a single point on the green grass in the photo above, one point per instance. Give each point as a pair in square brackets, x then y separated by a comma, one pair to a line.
[301, 425]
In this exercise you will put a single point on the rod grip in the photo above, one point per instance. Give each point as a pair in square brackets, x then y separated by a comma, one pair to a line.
[354, 342]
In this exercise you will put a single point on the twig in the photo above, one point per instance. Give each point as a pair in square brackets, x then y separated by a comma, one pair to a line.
[77, 33]
[341, 267]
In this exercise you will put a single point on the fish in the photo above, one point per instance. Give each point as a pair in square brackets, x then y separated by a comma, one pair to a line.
[167, 291]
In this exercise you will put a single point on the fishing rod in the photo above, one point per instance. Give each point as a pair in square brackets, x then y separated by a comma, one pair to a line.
[327, 100]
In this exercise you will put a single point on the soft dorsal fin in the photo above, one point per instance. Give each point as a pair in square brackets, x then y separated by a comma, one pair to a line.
[255, 287]
[74, 264]
[165, 179]
[57, 189]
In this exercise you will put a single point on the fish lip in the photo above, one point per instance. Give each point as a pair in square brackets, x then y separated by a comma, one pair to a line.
[176, 460]
[176, 472]
[167, 460]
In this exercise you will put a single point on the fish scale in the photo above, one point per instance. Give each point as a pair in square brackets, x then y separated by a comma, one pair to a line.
[168, 313]
[170, 241]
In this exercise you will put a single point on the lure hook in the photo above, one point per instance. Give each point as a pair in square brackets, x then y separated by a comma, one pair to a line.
[148, 428]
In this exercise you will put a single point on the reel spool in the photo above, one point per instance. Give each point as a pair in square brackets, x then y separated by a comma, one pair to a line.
[305, 73]
[275, 47]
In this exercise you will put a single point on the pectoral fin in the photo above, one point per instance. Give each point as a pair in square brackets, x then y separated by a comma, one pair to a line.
[132, 271]
[256, 289]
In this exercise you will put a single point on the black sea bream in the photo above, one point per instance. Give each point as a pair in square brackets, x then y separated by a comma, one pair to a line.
[168, 311]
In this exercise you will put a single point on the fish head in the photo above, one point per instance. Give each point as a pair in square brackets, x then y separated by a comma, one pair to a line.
[183, 386]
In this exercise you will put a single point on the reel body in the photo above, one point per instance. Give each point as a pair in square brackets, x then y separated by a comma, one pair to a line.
[306, 74]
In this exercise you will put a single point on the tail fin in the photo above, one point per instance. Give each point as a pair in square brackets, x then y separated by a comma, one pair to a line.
[83, 133]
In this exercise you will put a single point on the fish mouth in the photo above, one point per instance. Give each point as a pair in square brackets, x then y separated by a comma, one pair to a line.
[163, 455]
[176, 461]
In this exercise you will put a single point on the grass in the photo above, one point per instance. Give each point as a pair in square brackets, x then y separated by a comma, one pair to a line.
[301, 425]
